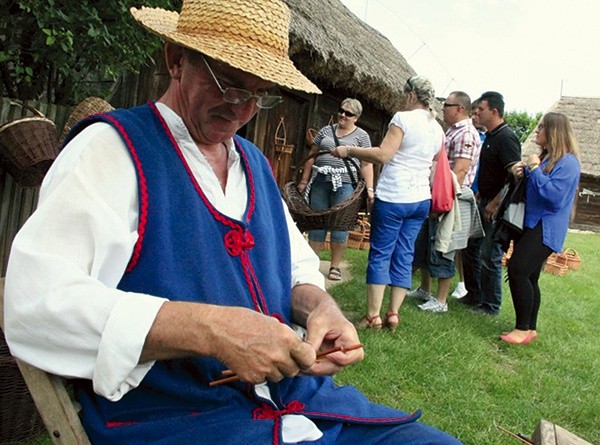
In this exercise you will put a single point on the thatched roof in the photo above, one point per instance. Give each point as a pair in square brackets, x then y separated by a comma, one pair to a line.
[584, 114]
[334, 47]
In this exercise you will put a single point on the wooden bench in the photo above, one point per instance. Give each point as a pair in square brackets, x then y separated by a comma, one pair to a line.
[51, 399]
[547, 433]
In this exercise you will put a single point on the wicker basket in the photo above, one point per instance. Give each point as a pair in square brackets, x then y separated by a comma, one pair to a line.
[19, 419]
[359, 237]
[339, 217]
[28, 146]
[573, 258]
[87, 107]
[556, 265]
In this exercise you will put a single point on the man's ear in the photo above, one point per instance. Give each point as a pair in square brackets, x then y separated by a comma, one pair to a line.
[174, 59]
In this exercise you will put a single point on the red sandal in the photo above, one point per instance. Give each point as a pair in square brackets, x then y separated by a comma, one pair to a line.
[389, 320]
[368, 322]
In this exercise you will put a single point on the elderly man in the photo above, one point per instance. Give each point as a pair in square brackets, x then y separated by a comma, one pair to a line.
[161, 258]
[463, 146]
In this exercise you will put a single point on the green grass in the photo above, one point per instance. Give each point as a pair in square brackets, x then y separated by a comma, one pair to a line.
[454, 367]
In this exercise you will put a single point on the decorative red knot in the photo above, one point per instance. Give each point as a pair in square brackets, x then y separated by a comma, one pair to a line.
[268, 412]
[237, 241]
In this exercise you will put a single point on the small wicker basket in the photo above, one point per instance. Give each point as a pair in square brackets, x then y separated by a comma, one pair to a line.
[556, 265]
[87, 107]
[28, 146]
[339, 217]
[573, 258]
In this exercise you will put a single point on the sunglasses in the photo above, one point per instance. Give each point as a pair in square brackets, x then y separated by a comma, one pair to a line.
[238, 96]
[341, 111]
[446, 105]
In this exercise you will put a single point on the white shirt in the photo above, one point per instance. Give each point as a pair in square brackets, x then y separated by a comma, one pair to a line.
[63, 311]
[405, 177]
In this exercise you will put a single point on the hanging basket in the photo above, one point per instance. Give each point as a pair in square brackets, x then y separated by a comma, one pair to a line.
[28, 146]
[339, 217]
[87, 107]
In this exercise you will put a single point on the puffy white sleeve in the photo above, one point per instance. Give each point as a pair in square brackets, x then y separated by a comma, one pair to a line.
[63, 312]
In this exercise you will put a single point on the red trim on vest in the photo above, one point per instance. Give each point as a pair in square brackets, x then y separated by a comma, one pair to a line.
[143, 216]
[267, 412]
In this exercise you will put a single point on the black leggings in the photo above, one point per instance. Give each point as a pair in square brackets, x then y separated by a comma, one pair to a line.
[524, 268]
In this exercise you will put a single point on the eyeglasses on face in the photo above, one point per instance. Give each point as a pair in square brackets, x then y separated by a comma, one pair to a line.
[341, 111]
[446, 105]
[238, 96]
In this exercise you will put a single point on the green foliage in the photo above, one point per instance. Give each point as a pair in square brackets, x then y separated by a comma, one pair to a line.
[522, 123]
[63, 51]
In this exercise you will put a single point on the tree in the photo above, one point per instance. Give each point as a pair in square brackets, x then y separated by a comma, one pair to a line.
[63, 51]
[522, 123]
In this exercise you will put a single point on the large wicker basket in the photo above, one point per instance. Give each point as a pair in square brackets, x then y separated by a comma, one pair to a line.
[339, 217]
[28, 146]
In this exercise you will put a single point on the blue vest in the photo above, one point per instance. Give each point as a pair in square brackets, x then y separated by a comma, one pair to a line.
[188, 251]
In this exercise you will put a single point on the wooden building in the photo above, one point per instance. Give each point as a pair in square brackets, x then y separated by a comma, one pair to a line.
[584, 114]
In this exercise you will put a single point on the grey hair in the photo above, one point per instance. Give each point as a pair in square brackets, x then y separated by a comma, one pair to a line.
[355, 105]
[424, 90]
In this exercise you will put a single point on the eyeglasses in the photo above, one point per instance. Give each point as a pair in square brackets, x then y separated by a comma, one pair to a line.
[410, 85]
[346, 112]
[446, 105]
[238, 96]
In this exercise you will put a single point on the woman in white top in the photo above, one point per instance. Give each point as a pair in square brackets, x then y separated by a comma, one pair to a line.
[402, 198]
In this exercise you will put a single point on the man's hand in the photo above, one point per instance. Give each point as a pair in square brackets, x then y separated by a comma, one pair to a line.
[259, 348]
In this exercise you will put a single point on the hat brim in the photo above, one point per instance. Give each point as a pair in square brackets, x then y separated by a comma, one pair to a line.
[238, 54]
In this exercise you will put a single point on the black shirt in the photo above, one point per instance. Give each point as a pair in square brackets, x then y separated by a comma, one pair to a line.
[500, 150]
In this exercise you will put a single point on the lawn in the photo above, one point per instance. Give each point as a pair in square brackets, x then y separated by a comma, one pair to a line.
[454, 368]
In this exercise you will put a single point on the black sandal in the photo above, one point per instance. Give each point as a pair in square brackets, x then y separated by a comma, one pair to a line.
[335, 274]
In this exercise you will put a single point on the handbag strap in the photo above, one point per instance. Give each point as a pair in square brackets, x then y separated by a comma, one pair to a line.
[346, 160]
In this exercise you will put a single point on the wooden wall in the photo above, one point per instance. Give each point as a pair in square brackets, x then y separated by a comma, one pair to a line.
[587, 206]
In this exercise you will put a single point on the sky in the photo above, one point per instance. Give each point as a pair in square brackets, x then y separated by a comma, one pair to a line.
[531, 51]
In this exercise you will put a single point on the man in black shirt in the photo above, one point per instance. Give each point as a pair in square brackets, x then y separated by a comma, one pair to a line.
[482, 259]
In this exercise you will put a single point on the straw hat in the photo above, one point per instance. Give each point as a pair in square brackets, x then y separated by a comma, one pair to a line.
[251, 35]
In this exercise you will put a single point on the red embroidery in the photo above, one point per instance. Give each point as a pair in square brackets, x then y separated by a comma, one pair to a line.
[268, 412]
[237, 241]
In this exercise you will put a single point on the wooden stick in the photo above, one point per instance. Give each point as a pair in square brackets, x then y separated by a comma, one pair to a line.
[231, 377]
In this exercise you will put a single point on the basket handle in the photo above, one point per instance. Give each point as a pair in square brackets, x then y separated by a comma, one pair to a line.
[28, 107]
[280, 134]
[570, 251]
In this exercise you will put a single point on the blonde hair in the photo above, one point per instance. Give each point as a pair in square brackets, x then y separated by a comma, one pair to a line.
[423, 89]
[355, 105]
[560, 138]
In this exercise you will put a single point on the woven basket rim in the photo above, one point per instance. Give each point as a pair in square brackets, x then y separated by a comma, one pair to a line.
[26, 119]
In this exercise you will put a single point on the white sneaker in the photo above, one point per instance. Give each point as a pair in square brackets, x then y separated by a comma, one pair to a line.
[420, 294]
[460, 291]
[434, 305]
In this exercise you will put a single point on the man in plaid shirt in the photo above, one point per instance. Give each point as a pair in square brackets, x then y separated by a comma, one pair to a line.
[463, 146]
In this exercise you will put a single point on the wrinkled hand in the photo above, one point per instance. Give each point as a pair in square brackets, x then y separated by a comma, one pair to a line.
[327, 328]
[258, 347]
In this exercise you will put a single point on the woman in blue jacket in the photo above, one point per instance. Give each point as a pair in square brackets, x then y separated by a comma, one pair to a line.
[552, 181]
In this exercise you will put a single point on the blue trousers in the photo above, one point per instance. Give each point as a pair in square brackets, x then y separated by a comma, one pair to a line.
[413, 433]
[322, 197]
[394, 229]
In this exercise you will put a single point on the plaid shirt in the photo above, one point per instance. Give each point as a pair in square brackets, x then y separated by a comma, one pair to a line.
[463, 141]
